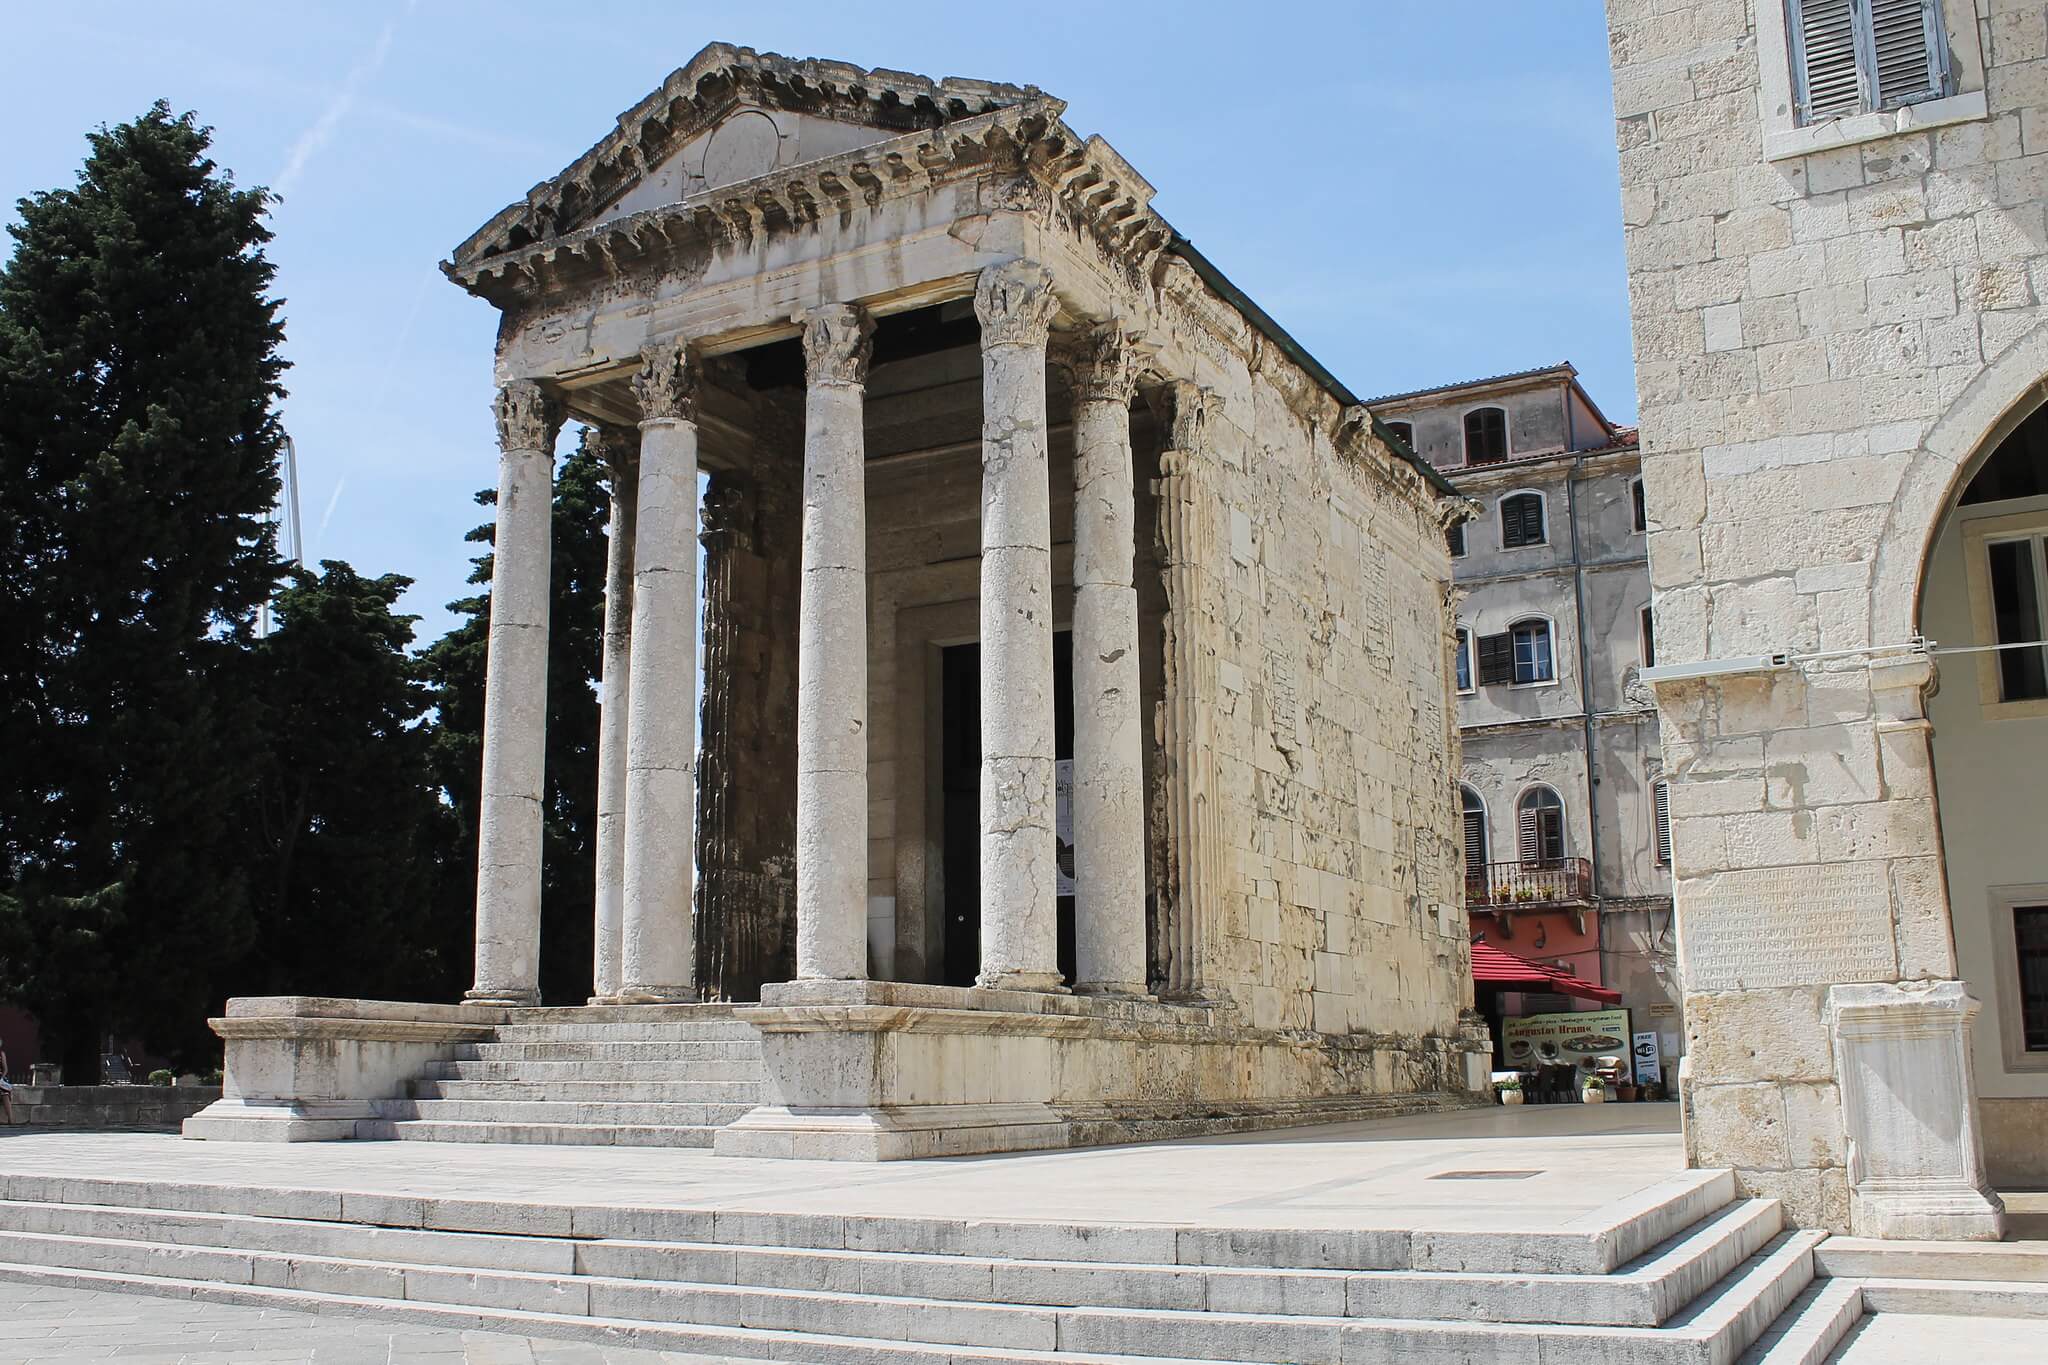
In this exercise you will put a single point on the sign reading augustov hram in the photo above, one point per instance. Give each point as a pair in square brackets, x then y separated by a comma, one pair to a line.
[1553, 1039]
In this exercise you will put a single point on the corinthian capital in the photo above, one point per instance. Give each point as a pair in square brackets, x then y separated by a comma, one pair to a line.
[618, 447]
[1015, 304]
[838, 339]
[1190, 413]
[527, 418]
[1105, 365]
[666, 384]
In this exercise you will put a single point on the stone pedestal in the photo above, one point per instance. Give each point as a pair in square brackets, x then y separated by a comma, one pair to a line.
[305, 1068]
[879, 1071]
[1916, 1158]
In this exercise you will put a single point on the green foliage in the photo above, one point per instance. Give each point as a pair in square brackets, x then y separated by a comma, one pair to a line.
[139, 372]
[163, 1076]
[455, 665]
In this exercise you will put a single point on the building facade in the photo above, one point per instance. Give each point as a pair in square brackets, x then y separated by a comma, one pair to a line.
[1076, 761]
[1837, 254]
[1563, 804]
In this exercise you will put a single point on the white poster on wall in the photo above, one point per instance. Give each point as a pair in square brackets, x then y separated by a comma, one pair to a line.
[1649, 1063]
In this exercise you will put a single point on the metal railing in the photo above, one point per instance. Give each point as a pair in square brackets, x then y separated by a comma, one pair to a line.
[1528, 885]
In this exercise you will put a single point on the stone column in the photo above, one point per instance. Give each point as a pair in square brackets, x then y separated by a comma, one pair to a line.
[620, 450]
[515, 703]
[656, 952]
[1109, 784]
[1019, 916]
[1187, 544]
[832, 653]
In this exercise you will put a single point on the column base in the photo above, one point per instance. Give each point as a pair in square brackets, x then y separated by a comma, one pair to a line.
[1927, 1213]
[1047, 983]
[656, 995]
[1120, 990]
[510, 999]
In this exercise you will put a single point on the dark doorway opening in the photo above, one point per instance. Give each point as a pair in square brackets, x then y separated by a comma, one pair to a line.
[960, 785]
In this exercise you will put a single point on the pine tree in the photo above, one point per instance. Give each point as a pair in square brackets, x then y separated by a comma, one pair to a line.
[346, 812]
[455, 664]
[139, 373]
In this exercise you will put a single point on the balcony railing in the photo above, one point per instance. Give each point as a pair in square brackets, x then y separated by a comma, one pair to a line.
[1529, 885]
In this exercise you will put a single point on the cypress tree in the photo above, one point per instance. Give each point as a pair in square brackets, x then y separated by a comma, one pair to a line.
[139, 373]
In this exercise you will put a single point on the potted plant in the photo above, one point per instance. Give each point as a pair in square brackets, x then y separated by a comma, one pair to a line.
[1626, 1092]
[1510, 1090]
[1594, 1090]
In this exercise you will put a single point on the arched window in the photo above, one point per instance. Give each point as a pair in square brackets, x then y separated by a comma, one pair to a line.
[1660, 805]
[1639, 512]
[1539, 826]
[1521, 520]
[1404, 430]
[1534, 660]
[1464, 659]
[1475, 831]
[1486, 436]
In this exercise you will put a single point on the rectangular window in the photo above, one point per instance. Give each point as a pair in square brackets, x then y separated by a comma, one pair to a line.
[1660, 801]
[2017, 574]
[1464, 661]
[1649, 639]
[1856, 56]
[2030, 935]
[1497, 658]
[1455, 540]
[1640, 510]
[1533, 663]
[1521, 521]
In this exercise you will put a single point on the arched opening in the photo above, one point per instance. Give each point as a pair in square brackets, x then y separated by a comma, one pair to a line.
[1984, 602]
[1539, 826]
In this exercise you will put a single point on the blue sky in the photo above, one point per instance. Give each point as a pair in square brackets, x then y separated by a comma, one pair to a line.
[1420, 191]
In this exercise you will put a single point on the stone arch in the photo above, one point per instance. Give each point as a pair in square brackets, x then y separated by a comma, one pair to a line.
[2004, 394]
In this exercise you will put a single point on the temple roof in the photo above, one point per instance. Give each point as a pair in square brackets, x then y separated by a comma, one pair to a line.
[711, 85]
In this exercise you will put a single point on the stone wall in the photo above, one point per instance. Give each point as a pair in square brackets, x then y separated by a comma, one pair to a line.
[110, 1106]
[1828, 322]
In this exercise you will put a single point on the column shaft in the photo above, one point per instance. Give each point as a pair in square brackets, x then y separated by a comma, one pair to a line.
[1019, 914]
[657, 955]
[622, 458]
[515, 704]
[1109, 784]
[832, 648]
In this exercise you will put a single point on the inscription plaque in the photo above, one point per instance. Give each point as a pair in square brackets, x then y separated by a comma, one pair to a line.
[1787, 926]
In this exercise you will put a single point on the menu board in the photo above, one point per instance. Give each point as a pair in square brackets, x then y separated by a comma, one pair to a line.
[1554, 1039]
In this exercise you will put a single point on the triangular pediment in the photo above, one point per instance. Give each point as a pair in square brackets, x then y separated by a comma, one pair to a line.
[732, 114]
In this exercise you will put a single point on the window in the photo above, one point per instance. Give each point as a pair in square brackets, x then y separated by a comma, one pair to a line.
[1464, 659]
[1475, 830]
[1649, 639]
[1486, 436]
[1641, 515]
[1539, 826]
[2017, 616]
[1533, 663]
[1404, 430]
[1496, 659]
[2030, 939]
[1857, 56]
[1455, 539]
[1521, 520]
[1660, 812]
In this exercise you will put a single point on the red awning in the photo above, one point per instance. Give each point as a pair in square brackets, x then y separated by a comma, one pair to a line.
[1493, 967]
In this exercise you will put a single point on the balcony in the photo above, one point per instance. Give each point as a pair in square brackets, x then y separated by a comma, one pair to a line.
[1539, 884]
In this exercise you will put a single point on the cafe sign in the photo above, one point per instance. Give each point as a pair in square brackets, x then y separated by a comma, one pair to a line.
[1559, 1039]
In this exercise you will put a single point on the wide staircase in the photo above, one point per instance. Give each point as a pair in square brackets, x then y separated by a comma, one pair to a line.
[1686, 1273]
[641, 1076]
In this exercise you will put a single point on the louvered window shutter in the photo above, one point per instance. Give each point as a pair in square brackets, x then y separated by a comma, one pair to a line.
[1526, 833]
[1824, 66]
[1475, 841]
[1660, 797]
[1496, 659]
[1906, 46]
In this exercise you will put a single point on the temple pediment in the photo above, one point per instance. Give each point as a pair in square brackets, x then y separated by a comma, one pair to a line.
[732, 114]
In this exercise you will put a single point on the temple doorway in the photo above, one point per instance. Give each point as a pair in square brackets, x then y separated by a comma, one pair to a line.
[960, 803]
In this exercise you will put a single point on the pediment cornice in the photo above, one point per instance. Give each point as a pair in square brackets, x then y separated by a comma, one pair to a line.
[718, 80]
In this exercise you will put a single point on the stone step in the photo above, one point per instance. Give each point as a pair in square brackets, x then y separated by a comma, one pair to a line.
[744, 1092]
[1870, 1257]
[1596, 1243]
[1645, 1294]
[682, 1031]
[642, 1114]
[541, 1133]
[1808, 1332]
[527, 1016]
[734, 1069]
[1735, 1313]
[709, 1050]
[1956, 1298]
[723, 1343]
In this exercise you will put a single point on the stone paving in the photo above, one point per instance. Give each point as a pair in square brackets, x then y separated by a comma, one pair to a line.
[1927, 1339]
[45, 1324]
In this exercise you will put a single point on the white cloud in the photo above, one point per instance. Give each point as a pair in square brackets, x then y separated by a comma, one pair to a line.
[308, 143]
